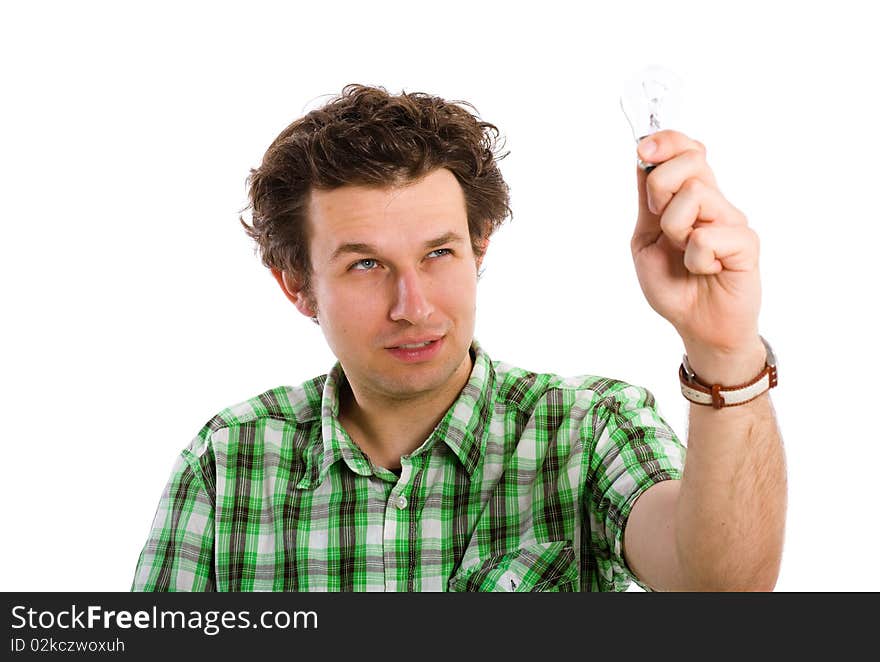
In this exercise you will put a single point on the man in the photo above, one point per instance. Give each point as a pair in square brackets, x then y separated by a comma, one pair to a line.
[418, 463]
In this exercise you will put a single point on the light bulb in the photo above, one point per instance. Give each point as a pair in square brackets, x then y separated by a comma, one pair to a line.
[651, 101]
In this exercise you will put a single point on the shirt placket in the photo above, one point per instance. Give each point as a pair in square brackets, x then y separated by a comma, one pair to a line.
[398, 531]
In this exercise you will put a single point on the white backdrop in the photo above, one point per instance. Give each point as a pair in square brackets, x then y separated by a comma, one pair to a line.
[134, 307]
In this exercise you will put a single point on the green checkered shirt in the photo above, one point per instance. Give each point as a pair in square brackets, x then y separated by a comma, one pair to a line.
[524, 485]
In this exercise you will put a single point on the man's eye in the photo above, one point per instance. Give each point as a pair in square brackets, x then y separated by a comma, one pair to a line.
[442, 251]
[364, 265]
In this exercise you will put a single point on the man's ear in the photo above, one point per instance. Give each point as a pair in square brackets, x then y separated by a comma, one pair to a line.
[293, 290]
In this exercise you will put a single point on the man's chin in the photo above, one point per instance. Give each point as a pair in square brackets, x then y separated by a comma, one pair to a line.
[416, 381]
[412, 387]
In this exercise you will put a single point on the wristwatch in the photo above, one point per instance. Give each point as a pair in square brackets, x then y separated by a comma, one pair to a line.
[718, 396]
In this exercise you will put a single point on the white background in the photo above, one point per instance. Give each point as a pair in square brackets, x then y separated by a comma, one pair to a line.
[134, 308]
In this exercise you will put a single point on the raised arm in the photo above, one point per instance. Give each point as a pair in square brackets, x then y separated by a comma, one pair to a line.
[721, 527]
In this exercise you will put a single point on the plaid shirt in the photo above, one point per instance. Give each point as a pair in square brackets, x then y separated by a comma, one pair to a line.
[524, 485]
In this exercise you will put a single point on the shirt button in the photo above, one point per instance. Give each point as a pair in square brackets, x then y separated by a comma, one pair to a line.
[401, 502]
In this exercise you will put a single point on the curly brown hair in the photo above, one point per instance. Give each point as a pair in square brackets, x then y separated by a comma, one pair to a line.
[368, 137]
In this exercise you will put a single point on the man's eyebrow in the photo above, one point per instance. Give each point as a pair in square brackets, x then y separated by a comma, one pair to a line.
[342, 249]
[361, 248]
[446, 238]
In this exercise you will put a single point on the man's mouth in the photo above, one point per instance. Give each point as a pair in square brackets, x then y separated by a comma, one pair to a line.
[415, 345]
[417, 350]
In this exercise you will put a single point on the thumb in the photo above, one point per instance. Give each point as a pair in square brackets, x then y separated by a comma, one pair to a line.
[647, 228]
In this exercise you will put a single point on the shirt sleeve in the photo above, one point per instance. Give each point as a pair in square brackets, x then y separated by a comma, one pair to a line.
[179, 553]
[633, 449]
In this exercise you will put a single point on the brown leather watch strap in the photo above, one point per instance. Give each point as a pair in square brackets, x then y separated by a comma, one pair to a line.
[718, 396]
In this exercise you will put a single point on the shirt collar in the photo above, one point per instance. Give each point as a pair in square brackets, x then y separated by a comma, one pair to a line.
[463, 428]
[466, 423]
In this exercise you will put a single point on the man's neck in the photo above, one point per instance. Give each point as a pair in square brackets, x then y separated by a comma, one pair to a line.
[386, 429]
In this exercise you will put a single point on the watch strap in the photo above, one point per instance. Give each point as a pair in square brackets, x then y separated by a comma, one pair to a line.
[718, 396]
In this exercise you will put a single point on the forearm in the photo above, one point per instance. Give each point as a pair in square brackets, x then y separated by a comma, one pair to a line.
[730, 515]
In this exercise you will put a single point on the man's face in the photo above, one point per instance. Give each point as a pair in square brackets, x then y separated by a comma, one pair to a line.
[395, 267]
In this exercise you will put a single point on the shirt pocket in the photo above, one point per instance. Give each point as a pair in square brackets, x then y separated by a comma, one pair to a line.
[545, 567]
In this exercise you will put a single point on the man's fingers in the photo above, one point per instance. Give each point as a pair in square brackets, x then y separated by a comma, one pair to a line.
[667, 178]
[666, 144]
[675, 182]
[697, 203]
[713, 248]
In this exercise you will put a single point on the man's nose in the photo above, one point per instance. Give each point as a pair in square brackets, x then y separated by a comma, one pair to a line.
[410, 299]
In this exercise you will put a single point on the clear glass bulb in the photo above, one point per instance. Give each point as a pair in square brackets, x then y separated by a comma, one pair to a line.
[651, 101]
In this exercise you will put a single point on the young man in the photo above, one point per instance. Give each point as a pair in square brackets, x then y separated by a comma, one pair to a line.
[420, 464]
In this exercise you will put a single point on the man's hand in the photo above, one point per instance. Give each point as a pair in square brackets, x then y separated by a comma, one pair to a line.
[697, 260]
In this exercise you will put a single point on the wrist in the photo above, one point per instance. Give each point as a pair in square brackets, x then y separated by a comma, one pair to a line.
[728, 367]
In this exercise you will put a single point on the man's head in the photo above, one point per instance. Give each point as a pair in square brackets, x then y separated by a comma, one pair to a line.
[373, 213]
